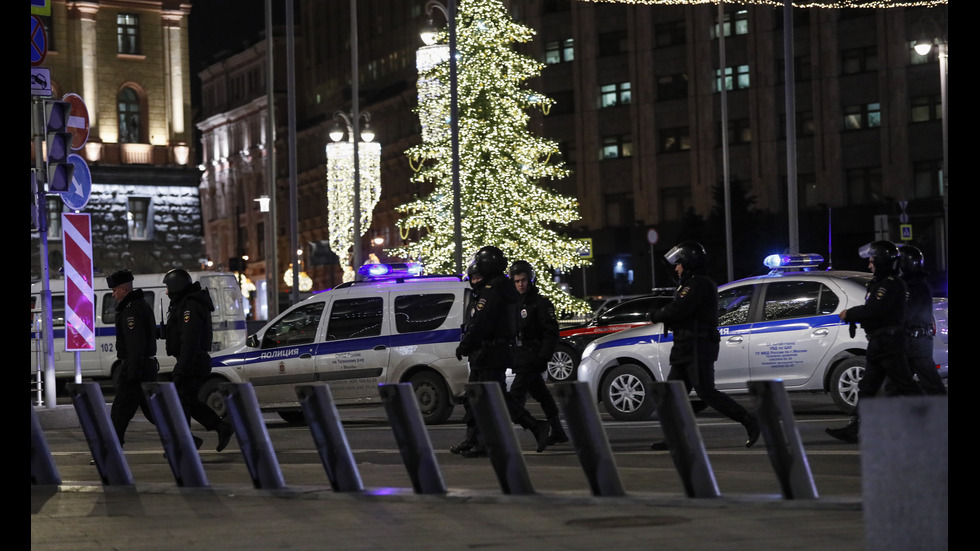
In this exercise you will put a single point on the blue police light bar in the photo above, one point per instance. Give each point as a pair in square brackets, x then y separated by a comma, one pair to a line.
[387, 271]
[804, 261]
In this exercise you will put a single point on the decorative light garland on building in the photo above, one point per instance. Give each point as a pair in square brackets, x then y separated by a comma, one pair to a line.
[340, 194]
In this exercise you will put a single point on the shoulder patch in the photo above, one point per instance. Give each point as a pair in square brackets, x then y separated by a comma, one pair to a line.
[187, 316]
[131, 322]
[481, 303]
[880, 293]
[685, 290]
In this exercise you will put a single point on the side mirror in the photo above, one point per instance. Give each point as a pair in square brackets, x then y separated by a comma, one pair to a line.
[252, 341]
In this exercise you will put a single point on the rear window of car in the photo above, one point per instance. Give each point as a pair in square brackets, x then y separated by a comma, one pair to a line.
[415, 313]
[109, 306]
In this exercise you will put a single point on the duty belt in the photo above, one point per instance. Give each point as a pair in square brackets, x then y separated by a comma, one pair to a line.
[888, 330]
[921, 331]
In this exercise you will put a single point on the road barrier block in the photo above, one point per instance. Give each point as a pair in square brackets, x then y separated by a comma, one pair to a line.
[783, 442]
[497, 430]
[589, 438]
[253, 436]
[101, 437]
[684, 439]
[407, 423]
[329, 437]
[175, 435]
[43, 470]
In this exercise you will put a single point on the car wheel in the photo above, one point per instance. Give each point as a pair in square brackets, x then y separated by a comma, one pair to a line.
[627, 393]
[844, 383]
[433, 397]
[293, 417]
[212, 397]
[562, 365]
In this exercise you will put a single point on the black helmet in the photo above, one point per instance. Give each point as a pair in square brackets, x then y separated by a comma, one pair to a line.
[176, 280]
[490, 261]
[689, 254]
[522, 267]
[884, 255]
[911, 260]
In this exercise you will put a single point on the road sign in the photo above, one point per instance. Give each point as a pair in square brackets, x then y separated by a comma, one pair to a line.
[652, 236]
[906, 230]
[40, 82]
[77, 120]
[39, 41]
[80, 189]
[41, 7]
[79, 289]
[585, 248]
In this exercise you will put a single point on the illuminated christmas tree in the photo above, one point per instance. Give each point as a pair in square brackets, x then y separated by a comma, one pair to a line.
[501, 162]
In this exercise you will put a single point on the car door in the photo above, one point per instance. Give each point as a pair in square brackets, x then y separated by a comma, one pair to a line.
[734, 325]
[284, 358]
[797, 328]
[353, 356]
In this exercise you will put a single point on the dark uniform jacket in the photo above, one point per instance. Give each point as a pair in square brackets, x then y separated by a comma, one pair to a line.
[491, 332]
[136, 339]
[883, 311]
[693, 317]
[537, 331]
[189, 330]
[918, 321]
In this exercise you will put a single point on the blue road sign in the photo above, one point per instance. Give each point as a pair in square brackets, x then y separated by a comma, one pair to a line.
[81, 184]
[39, 41]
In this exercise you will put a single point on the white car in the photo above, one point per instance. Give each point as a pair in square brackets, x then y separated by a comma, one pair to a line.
[392, 328]
[783, 325]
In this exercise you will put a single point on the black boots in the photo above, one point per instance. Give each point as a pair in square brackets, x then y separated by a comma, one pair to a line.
[847, 433]
[224, 431]
[541, 430]
[557, 435]
[469, 442]
[752, 428]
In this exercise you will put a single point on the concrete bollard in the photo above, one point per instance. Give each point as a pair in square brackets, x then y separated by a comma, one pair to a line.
[43, 470]
[497, 430]
[684, 439]
[329, 437]
[253, 436]
[783, 443]
[175, 435]
[101, 437]
[405, 417]
[905, 472]
[589, 438]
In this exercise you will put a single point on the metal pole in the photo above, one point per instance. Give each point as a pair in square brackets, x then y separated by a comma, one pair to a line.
[355, 137]
[454, 116]
[271, 233]
[791, 191]
[943, 76]
[729, 257]
[37, 121]
[291, 110]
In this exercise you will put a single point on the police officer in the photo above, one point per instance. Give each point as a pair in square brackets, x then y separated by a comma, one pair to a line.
[537, 337]
[693, 317]
[882, 316]
[919, 326]
[188, 333]
[489, 341]
[136, 349]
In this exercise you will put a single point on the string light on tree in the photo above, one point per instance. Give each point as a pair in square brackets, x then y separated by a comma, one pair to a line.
[501, 161]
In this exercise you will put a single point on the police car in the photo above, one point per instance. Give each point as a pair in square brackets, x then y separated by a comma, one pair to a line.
[627, 314]
[394, 326]
[227, 322]
[783, 325]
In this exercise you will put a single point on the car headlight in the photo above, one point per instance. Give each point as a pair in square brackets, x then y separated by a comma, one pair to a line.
[588, 350]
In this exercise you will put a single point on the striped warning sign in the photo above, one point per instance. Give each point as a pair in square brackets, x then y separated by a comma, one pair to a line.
[79, 292]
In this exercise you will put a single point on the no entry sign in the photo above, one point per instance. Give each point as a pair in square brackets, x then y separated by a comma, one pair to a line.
[79, 291]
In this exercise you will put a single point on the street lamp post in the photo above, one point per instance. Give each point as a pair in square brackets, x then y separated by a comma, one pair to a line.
[922, 47]
[449, 11]
[352, 126]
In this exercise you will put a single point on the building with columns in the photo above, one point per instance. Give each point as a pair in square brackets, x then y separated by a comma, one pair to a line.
[129, 61]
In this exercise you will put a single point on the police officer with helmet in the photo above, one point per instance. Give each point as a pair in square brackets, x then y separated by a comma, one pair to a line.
[882, 316]
[136, 350]
[919, 324]
[537, 337]
[693, 317]
[489, 341]
[188, 334]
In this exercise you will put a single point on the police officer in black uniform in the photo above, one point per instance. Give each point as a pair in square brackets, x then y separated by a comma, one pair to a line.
[882, 316]
[136, 349]
[693, 317]
[188, 333]
[489, 343]
[920, 327]
[537, 328]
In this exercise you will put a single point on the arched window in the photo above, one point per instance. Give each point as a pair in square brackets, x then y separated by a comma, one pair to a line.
[130, 116]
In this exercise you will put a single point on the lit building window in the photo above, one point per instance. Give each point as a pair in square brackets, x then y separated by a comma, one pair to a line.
[615, 94]
[130, 118]
[138, 219]
[736, 78]
[857, 117]
[128, 33]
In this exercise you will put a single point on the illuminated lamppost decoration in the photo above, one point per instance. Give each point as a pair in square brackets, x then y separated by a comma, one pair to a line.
[341, 178]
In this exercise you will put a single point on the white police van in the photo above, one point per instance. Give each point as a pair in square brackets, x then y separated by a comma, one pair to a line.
[395, 326]
[228, 322]
[783, 325]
